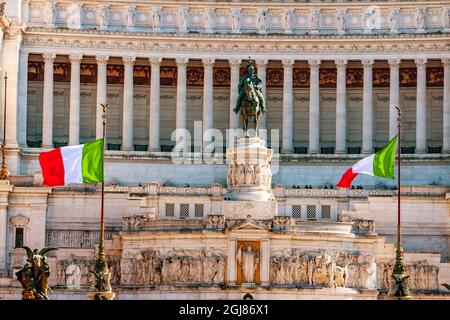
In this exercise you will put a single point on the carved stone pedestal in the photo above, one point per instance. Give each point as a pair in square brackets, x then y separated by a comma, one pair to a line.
[249, 176]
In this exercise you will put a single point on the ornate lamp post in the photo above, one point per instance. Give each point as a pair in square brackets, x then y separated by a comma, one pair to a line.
[400, 288]
[4, 173]
[102, 286]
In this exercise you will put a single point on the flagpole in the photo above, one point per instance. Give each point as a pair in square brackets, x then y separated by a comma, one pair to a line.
[4, 173]
[400, 286]
[103, 290]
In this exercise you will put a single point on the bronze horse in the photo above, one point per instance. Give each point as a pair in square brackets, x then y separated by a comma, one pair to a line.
[250, 107]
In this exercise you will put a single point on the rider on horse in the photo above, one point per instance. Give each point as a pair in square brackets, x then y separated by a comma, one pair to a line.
[250, 77]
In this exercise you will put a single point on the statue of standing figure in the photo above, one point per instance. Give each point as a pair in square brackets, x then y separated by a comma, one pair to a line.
[249, 262]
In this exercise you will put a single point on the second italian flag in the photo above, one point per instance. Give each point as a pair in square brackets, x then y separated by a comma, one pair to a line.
[380, 164]
[73, 164]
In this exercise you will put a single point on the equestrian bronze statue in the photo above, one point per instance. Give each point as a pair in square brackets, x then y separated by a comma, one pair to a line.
[34, 275]
[250, 101]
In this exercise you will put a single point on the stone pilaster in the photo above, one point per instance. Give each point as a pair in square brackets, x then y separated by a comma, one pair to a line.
[102, 63]
[231, 261]
[155, 63]
[265, 262]
[341, 107]
[127, 126]
[367, 127]
[421, 107]
[5, 189]
[314, 107]
[74, 113]
[47, 108]
[288, 111]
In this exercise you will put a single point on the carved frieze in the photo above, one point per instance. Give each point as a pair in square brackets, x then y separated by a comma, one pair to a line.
[322, 269]
[205, 266]
[74, 238]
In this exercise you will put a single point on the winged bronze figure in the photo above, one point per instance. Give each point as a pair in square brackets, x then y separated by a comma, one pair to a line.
[34, 275]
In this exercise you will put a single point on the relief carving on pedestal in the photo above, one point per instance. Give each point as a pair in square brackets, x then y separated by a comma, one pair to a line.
[249, 174]
[342, 269]
[174, 266]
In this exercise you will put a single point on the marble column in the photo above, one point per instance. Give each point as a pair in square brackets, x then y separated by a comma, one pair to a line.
[367, 125]
[207, 100]
[394, 95]
[231, 261]
[127, 125]
[23, 93]
[102, 63]
[446, 106]
[47, 107]
[261, 65]
[314, 107]
[74, 113]
[265, 262]
[341, 106]
[421, 107]
[234, 93]
[181, 116]
[155, 63]
[288, 108]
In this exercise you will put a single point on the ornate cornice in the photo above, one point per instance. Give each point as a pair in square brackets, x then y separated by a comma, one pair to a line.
[174, 45]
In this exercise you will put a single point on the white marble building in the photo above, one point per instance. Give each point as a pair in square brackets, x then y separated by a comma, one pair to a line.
[332, 74]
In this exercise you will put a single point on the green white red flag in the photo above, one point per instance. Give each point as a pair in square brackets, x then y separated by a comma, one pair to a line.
[380, 164]
[73, 164]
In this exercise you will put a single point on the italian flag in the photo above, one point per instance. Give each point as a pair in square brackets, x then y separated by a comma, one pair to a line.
[73, 164]
[380, 164]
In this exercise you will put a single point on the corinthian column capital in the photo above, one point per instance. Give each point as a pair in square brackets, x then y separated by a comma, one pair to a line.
[261, 63]
[394, 63]
[49, 57]
[234, 63]
[129, 60]
[367, 63]
[341, 64]
[182, 62]
[314, 64]
[102, 59]
[155, 61]
[75, 58]
[420, 62]
[445, 62]
[288, 63]
[208, 62]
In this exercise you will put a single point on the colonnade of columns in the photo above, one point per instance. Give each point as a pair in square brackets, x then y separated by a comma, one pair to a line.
[288, 108]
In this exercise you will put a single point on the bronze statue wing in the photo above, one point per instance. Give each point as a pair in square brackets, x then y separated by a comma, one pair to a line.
[29, 252]
[45, 250]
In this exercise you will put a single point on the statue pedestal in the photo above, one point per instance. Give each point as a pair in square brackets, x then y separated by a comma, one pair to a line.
[249, 176]
[249, 180]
